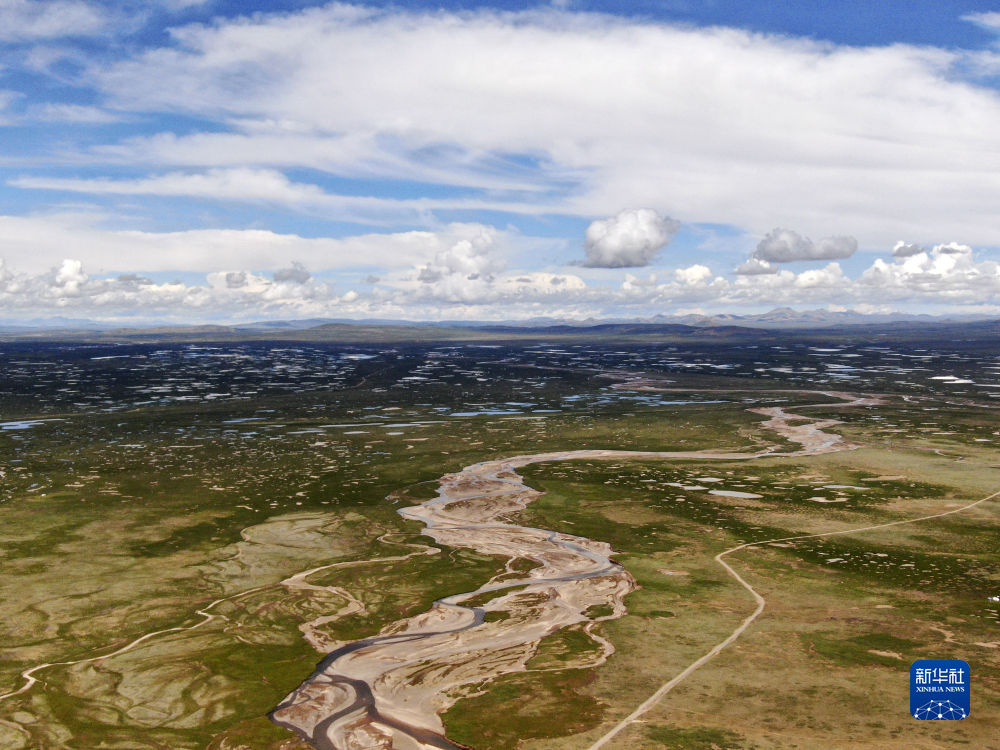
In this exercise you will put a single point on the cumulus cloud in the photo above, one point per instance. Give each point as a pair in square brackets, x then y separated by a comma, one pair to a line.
[755, 267]
[226, 294]
[234, 279]
[464, 280]
[68, 278]
[455, 269]
[296, 274]
[693, 275]
[905, 250]
[632, 238]
[468, 277]
[786, 246]
[829, 277]
[468, 271]
[945, 272]
[470, 259]
[783, 245]
[952, 248]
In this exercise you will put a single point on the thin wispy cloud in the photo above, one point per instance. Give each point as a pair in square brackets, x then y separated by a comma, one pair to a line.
[30, 20]
[638, 111]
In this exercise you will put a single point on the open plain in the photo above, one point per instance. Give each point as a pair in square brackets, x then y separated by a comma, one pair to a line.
[523, 544]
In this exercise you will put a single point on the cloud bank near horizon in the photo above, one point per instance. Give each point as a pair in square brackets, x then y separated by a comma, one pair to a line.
[468, 279]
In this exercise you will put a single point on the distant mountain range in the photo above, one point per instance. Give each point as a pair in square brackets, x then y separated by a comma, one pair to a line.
[711, 326]
[780, 317]
[786, 317]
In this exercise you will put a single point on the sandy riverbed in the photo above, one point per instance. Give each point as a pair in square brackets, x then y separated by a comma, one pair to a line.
[388, 691]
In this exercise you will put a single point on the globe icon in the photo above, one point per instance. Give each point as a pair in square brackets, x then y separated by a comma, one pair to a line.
[943, 710]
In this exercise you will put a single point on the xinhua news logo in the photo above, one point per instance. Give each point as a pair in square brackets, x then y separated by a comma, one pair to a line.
[940, 689]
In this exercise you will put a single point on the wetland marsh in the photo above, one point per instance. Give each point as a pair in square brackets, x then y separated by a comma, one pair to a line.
[240, 501]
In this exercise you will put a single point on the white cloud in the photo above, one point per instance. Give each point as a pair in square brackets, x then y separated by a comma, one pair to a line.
[786, 246]
[179, 5]
[78, 113]
[469, 275]
[41, 58]
[755, 267]
[236, 294]
[6, 97]
[946, 275]
[25, 20]
[288, 143]
[631, 238]
[68, 277]
[829, 277]
[471, 283]
[945, 272]
[38, 242]
[886, 140]
[248, 184]
[497, 292]
[469, 259]
[52, 112]
[228, 294]
[989, 20]
[783, 245]
[695, 275]
[241, 184]
[471, 272]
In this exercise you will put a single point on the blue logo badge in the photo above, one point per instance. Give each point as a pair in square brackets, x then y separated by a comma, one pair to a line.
[939, 689]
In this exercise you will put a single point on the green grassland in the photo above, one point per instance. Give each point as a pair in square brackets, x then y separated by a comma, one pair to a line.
[115, 524]
[845, 617]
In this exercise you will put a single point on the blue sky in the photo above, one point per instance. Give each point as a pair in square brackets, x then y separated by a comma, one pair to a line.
[196, 160]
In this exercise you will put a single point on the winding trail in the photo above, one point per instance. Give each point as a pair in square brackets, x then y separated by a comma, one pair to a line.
[29, 674]
[666, 687]
[293, 582]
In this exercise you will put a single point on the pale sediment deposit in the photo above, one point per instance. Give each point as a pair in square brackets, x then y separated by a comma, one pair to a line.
[388, 691]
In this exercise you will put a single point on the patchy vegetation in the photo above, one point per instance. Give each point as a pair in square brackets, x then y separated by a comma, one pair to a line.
[142, 483]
